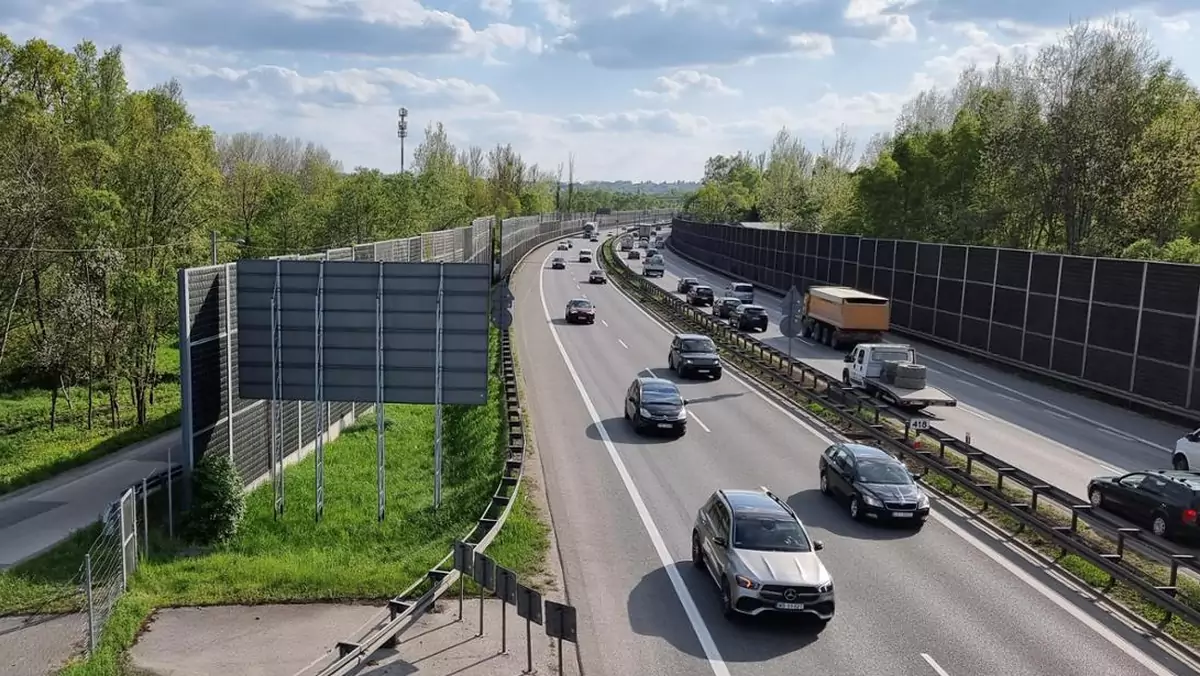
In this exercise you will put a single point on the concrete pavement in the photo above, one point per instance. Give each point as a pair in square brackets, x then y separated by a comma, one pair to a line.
[1062, 437]
[940, 602]
[38, 517]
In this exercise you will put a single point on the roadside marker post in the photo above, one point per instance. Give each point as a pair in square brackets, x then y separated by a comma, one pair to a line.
[506, 589]
[464, 565]
[529, 606]
[485, 572]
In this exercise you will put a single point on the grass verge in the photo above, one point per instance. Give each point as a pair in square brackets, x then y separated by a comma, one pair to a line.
[348, 555]
[31, 452]
[1189, 588]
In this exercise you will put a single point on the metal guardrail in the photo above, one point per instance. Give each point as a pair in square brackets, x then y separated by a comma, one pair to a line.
[866, 419]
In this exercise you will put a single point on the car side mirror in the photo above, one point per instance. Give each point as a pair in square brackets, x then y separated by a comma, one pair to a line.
[686, 402]
[818, 545]
[849, 359]
[720, 541]
[1193, 437]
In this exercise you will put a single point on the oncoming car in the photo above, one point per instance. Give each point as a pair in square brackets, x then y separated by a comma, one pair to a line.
[585, 255]
[875, 485]
[692, 353]
[760, 555]
[656, 404]
[563, 246]
[559, 263]
[634, 255]
[597, 276]
[580, 311]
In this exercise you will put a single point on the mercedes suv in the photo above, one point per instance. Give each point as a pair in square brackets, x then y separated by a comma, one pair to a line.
[760, 555]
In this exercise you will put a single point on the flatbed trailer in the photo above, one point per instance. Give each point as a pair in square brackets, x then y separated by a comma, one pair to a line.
[866, 368]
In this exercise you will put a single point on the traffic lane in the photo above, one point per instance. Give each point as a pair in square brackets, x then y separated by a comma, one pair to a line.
[1065, 451]
[1114, 420]
[600, 536]
[901, 594]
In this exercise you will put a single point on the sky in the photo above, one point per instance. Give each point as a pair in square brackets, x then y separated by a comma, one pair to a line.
[635, 89]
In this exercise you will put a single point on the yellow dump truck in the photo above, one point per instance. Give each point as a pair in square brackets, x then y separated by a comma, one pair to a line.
[841, 317]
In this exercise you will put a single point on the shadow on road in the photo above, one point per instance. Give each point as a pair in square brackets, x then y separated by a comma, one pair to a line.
[654, 610]
[831, 514]
[620, 431]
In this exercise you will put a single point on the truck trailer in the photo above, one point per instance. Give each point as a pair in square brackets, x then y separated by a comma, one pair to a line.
[839, 316]
[889, 371]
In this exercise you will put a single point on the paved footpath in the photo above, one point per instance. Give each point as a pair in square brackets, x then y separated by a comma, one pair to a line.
[38, 517]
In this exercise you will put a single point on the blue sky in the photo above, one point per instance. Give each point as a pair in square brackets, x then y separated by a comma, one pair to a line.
[637, 89]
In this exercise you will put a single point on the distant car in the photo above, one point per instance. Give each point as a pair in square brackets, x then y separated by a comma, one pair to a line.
[643, 243]
[741, 291]
[694, 354]
[651, 251]
[656, 404]
[595, 237]
[559, 263]
[580, 311]
[1166, 500]
[747, 317]
[634, 255]
[700, 295]
[1187, 451]
[685, 284]
[597, 276]
[563, 246]
[585, 255]
[876, 485]
[723, 306]
[761, 556]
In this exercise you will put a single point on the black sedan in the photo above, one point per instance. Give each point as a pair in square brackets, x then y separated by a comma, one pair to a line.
[876, 486]
[580, 311]
[1165, 500]
[597, 276]
[559, 263]
[655, 404]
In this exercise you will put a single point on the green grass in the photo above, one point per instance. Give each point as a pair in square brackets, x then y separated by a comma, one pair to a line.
[349, 555]
[31, 452]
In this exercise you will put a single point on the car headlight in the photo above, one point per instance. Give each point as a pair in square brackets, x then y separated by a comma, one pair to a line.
[871, 500]
[644, 413]
[825, 588]
[922, 500]
[745, 582]
[682, 414]
[687, 361]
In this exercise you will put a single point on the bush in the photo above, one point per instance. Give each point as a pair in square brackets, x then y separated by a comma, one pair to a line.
[218, 504]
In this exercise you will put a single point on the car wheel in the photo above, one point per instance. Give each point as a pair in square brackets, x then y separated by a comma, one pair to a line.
[671, 360]
[697, 552]
[824, 483]
[1096, 498]
[1160, 526]
[855, 508]
[1180, 463]
[717, 375]
[625, 412]
[846, 378]
[727, 601]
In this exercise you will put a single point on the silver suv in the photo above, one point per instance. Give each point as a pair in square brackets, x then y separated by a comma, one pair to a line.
[761, 557]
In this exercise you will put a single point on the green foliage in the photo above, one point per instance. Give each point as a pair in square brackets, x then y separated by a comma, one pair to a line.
[1109, 166]
[218, 503]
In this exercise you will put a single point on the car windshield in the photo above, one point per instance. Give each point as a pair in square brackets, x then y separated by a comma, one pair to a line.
[742, 288]
[698, 345]
[889, 355]
[661, 393]
[880, 471]
[702, 291]
[581, 304]
[769, 534]
[690, 280]
[598, 273]
[558, 260]
[732, 302]
[753, 310]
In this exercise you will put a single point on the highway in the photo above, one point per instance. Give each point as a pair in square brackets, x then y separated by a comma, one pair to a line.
[939, 602]
[1061, 437]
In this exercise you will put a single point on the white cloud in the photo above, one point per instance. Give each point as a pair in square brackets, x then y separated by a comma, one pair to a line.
[1179, 25]
[672, 87]
[499, 8]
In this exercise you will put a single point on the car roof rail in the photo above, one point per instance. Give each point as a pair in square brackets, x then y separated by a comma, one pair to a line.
[777, 500]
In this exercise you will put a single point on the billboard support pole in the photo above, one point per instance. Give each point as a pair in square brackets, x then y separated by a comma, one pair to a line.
[319, 394]
[276, 394]
[379, 412]
[437, 396]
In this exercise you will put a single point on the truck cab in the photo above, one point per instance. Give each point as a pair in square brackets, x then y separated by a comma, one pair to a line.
[889, 371]
[866, 361]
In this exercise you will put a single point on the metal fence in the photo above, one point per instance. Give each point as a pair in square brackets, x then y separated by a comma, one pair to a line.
[1122, 327]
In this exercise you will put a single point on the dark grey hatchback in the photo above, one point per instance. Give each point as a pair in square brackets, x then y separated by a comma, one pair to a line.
[655, 404]
[876, 485]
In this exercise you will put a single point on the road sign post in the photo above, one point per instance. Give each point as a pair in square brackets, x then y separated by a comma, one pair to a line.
[789, 324]
[463, 563]
[560, 625]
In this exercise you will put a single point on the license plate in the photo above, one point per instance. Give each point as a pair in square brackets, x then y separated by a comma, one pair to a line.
[702, 370]
[790, 606]
[665, 426]
[902, 515]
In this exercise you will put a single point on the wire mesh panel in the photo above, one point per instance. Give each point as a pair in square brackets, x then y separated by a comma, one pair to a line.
[444, 246]
[1127, 328]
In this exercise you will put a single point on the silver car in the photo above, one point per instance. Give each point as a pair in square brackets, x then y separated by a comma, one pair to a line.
[761, 556]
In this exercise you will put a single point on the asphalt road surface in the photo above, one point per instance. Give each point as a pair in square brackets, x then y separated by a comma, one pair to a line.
[1063, 438]
[938, 602]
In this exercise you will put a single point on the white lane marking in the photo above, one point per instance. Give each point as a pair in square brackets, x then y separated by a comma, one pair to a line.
[711, 653]
[1005, 396]
[1058, 415]
[937, 668]
[977, 414]
[604, 322]
[1051, 595]
[699, 421]
[1114, 470]
[1030, 398]
[622, 343]
[1115, 433]
[960, 381]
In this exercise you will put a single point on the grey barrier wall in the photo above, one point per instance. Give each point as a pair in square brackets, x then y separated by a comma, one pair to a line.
[1122, 327]
[215, 419]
